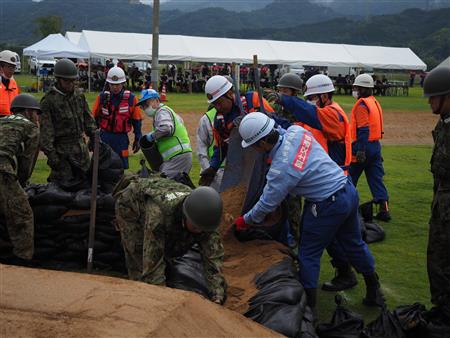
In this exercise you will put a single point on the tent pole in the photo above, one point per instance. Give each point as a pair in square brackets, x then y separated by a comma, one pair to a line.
[89, 74]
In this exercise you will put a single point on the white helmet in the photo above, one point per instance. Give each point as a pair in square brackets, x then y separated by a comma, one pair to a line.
[8, 56]
[364, 80]
[319, 84]
[255, 126]
[217, 86]
[116, 75]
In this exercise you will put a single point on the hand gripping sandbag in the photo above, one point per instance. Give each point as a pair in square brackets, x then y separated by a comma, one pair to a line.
[411, 319]
[151, 153]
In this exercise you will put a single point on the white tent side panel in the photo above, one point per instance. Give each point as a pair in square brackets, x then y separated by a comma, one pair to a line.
[386, 57]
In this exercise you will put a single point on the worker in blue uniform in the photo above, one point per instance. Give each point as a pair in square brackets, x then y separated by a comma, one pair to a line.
[301, 167]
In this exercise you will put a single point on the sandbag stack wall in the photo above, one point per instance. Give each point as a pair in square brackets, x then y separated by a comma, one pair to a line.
[61, 230]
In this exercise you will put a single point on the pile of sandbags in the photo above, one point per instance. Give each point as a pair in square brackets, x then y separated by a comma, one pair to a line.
[281, 303]
[62, 229]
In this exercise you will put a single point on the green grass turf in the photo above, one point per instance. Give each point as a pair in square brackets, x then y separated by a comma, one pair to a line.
[401, 258]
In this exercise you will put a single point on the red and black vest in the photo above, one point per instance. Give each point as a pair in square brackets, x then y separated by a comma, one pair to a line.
[116, 119]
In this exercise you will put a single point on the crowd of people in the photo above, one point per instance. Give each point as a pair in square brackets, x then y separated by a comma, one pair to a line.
[316, 153]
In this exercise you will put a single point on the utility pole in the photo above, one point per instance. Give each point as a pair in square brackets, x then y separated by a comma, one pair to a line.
[155, 45]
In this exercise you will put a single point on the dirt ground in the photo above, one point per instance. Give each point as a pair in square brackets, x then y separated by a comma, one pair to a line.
[44, 303]
[400, 128]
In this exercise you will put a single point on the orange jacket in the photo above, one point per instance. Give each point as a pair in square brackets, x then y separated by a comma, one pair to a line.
[332, 130]
[7, 95]
[358, 118]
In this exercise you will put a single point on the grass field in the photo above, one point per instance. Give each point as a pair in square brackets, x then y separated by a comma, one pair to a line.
[401, 258]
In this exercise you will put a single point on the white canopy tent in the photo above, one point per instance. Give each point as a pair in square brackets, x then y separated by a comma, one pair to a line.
[134, 46]
[445, 63]
[73, 37]
[55, 45]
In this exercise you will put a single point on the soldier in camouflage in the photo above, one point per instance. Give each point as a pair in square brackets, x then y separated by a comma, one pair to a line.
[19, 142]
[160, 219]
[437, 89]
[65, 117]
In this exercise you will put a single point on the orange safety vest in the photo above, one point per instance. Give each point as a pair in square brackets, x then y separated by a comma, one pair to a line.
[320, 137]
[117, 119]
[375, 119]
[254, 107]
[7, 95]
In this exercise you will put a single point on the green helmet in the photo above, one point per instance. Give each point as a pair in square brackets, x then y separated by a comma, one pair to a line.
[437, 82]
[66, 69]
[291, 80]
[203, 208]
[25, 101]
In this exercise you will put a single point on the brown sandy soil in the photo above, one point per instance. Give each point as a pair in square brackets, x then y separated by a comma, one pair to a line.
[243, 261]
[44, 303]
[402, 128]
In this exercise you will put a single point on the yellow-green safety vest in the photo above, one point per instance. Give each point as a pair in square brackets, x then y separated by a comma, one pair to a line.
[211, 114]
[176, 144]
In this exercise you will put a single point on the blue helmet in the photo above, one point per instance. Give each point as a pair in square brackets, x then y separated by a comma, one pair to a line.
[148, 94]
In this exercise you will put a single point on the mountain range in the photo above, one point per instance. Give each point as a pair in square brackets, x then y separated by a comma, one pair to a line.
[426, 32]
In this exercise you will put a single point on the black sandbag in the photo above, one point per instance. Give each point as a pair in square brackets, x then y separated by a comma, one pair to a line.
[76, 219]
[344, 323]
[286, 291]
[106, 237]
[374, 232]
[107, 229]
[47, 243]
[109, 257]
[106, 202]
[110, 175]
[6, 247]
[63, 265]
[45, 253]
[50, 194]
[82, 200]
[438, 322]
[45, 227]
[366, 211]
[411, 318]
[78, 229]
[186, 273]
[69, 256]
[77, 246]
[307, 329]
[283, 269]
[385, 326]
[48, 213]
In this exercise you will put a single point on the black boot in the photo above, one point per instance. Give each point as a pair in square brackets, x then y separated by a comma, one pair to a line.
[374, 296]
[344, 279]
[383, 213]
[311, 299]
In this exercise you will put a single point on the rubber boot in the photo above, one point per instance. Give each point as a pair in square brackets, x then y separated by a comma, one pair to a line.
[374, 295]
[344, 279]
[383, 213]
[311, 299]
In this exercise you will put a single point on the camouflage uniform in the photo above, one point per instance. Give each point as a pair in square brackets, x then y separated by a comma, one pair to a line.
[149, 216]
[63, 120]
[19, 141]
[438, 258]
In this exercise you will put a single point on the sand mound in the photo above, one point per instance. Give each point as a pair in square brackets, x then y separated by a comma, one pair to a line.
[243, 260]
[44, 303]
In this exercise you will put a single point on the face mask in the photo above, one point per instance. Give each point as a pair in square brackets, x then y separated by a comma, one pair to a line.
[355, 94]
[312, 102]
[150, 111]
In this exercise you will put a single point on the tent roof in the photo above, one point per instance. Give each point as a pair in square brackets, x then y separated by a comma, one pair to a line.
[55, 45]
[73, 37]
[445, 63]
[135, 46]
